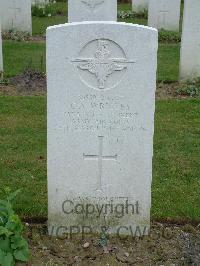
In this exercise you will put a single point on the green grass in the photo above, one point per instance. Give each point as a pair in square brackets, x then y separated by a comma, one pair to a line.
[19, 56]
[176, 173]
[32, 55]
[176, 164]
[124, 7]
[40, 24]
[168, 62]
[23, 151]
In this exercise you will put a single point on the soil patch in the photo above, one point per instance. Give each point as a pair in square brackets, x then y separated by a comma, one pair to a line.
[20, 36]
[28, 83]
[34, 83]
[167, 245]
[37, 38]
[170, 91]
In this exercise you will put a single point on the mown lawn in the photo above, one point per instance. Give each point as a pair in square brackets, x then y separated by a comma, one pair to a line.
[19, 56]
[176, 167]
[176, 171]
[23, 151]
[41, 23]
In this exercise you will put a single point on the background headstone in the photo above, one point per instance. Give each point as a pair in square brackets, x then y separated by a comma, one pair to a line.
[92, 10]
[1, 54]
[190, 44]
[164, 14]
[100, 124]
[140, 5]
[16, 15]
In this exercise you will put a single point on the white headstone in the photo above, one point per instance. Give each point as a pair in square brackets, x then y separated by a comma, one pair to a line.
[164, 14]
[16, 15]
[140, 5]
[190, 44]
[1, 54]
[92, 10]
[100, 125]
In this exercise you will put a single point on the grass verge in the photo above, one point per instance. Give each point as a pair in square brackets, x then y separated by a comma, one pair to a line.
[32, 55]
[176, 164]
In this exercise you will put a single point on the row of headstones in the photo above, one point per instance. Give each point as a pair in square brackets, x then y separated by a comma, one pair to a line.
[101, 121]
[162, 14]
[16, 14]
[20, 12]
[165, 14]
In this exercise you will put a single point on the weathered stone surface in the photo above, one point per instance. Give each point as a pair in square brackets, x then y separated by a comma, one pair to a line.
[140, 5]
[92, 10]
[16, 15]
[190, 44]
[100, 126]
[164, 14]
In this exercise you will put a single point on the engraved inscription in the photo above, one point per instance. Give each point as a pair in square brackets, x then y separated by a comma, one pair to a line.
[100, 113]
[92, 4]
[102, 64]
[100, 157]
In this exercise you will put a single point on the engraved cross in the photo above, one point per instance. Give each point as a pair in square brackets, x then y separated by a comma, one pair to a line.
[100, 158]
